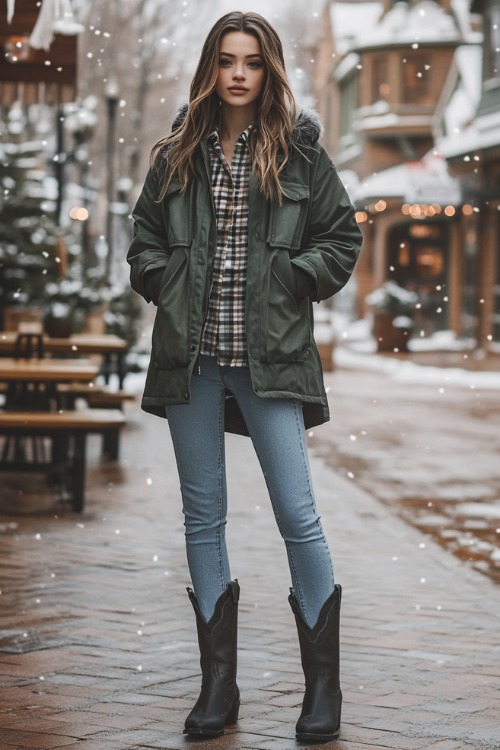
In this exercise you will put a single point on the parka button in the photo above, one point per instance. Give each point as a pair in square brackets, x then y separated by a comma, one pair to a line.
[186, 396]
[193, 348]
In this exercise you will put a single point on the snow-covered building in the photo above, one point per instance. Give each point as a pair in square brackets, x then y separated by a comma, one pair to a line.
[38, 52]
[467, 133]
[382, 68]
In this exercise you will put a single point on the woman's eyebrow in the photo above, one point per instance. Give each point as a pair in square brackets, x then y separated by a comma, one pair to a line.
[229, 54]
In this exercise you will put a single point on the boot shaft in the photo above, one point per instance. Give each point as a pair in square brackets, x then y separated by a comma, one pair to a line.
[219, 700]
[218, 637]
[319, 720]
[319, 645]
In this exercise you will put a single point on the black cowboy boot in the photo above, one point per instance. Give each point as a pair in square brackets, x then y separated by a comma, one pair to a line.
[219, 700]
[319, 650]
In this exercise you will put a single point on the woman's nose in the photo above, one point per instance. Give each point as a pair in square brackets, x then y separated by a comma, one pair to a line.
[238, 72]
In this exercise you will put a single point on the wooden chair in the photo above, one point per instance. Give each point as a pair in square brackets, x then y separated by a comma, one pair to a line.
[28, 345]
[26, 396]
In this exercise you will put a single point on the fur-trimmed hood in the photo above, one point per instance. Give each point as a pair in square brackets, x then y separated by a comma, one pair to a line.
[306, 132]
[308, 128]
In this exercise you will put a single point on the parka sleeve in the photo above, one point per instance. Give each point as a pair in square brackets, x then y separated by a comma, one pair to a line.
[333, 239]
[149, 252]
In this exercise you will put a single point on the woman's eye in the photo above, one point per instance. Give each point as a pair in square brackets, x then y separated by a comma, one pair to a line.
[224, 62]
[255, 65]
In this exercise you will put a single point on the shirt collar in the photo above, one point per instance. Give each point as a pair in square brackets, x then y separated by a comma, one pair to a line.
[214, 137]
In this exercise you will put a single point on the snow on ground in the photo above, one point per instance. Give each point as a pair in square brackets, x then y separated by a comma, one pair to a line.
[358, 350]
[405, 371]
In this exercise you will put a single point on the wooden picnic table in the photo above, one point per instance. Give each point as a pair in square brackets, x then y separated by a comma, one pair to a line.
[33, 383]
[47, 370]
[113, 349]
[32, 413]
[67, 433]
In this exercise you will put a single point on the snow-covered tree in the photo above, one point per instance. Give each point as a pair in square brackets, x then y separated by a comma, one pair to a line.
[28, 248]
[150, 47]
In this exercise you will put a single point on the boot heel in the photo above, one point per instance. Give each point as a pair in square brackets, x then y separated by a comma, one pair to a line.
[232, 716]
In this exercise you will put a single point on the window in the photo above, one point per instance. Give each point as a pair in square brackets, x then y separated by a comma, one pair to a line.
[496, 291]
[492, 44]
[416, 80]
[347, 105]
[470, 262]
[380, 80]
[418, 259]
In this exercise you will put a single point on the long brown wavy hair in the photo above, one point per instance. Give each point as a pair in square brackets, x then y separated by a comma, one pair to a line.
[272, 134]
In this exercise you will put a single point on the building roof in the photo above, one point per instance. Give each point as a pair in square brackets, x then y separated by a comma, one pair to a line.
[482, 134]
[463, 132]
[361, 25]
[351, 21]
[461, 94]
[425, 181]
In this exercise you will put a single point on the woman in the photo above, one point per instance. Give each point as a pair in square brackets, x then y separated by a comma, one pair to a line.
[242, 224]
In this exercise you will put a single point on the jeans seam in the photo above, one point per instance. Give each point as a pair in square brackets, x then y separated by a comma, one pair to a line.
[297, 586]
[221, 487]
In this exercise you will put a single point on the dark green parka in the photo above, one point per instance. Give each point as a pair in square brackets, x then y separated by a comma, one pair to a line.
[299, 252]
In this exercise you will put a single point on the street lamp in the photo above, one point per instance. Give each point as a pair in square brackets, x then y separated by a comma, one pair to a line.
[80, 122]
[77, 119]
[112, 94]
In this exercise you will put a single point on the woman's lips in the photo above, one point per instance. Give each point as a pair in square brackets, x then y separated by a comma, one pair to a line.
[238, 90]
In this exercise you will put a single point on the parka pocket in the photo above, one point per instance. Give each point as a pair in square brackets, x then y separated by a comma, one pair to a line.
[178, 215]
[286, 327]
[171, 326]
[287, 222]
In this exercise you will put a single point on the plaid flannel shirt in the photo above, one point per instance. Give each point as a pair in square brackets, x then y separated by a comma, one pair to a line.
[224, 331]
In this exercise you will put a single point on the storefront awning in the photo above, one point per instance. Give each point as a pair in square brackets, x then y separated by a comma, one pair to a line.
[425, 181]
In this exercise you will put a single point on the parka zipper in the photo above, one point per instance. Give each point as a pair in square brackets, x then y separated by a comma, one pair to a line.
[214, 217]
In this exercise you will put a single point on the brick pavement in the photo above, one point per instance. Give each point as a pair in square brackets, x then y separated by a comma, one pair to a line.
[97, 637]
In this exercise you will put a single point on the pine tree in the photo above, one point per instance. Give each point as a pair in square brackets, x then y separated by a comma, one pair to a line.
[28, 258]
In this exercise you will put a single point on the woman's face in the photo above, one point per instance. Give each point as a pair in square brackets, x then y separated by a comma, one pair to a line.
[241, 72]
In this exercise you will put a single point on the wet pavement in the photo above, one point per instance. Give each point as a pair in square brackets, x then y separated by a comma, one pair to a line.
[97, 636]
[429, 447]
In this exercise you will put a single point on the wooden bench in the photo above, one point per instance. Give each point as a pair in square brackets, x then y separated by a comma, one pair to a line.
[105, 399]
[67, 432]
[96, 396]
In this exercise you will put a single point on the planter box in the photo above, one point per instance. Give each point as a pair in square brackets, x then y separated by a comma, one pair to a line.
[58, 328]
[388, 333]
[326, 355]
[16, 315]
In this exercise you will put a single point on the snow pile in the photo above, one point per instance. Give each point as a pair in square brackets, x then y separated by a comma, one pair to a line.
[356, 349]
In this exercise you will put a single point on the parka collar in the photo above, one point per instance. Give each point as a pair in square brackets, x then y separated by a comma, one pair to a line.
[306, 132]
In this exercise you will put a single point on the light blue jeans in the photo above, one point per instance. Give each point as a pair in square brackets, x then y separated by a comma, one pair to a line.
[277, 431]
